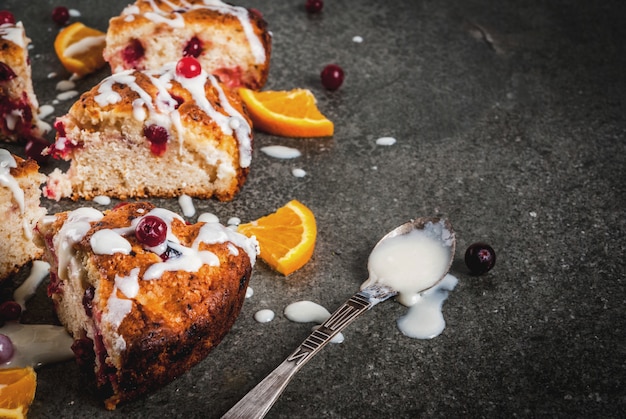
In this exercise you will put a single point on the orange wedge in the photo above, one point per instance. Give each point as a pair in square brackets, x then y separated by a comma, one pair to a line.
[290, 113]
[17, 391]
[79, 48]
[286, 237]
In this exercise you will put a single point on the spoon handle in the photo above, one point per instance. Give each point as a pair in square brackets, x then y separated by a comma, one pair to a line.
[261, 398]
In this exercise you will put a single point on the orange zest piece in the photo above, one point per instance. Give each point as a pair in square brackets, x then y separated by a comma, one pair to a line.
[79, 48]
[17, 391]
[286, 237]
[290, 113]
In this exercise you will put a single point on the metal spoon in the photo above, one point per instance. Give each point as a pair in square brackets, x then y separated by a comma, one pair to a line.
[261, 398]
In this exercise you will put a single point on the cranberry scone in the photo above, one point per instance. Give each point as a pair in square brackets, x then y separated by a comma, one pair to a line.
[230, 42]
[19, 121]
[160, 133]
[144, 295]
[20, 210]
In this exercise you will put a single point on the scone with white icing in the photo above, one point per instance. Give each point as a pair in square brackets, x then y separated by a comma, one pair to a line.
[144, 295]
[161, 133]
[19, 121]
[230, 42]
[20, 210]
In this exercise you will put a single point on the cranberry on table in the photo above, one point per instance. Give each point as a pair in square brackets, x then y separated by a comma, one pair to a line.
[60, 15]
[314, 6]
[480, 258]
[6, 349]
[332, 76]
[6, 17]
[151, 231]
[188, 67]
[10, 310]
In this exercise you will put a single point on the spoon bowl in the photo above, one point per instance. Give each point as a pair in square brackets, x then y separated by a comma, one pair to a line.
[409, 241]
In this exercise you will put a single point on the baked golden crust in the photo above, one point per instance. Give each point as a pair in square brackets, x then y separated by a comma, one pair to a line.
[202, 156]
[175, 319]
[230, 42]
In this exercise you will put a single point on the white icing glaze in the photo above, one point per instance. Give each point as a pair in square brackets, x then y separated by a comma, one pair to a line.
[186, 205]
[424, 319]
[281, 152]
[27, 289]
[67, 95]
[297, 172]
[108, 242]
[45, 111]
[264, 316]
[128, 285]
[65, 85]
[14, 33]
[84, 45]
[411, 263]
[37, 344]
[249, 292]
[7, 162]
[207, 217]
[102, 200]
[73, 230]
[386, 141]
[310, 312]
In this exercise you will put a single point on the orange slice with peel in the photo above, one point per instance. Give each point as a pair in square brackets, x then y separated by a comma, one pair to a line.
[79, 48]
[17, 391]
[291, 113]
[286, 237]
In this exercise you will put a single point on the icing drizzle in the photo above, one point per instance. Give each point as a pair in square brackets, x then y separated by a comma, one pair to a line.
[163, 110]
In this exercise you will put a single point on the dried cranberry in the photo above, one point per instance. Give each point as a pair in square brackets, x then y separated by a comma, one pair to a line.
[151, 231]
[88, 297]
[83, 352]
[10, 310]
[193, 48]
[34, 149]
[6, 17]
[60, 15]
[480, 258]
[314, 6]
[188, 67]
[332, 76]
[6, 72]
[158, 137]
[133, 52]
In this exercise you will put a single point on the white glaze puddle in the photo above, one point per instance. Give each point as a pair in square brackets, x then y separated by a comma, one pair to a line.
[186, 205]
[357, 39]
[249, 292]
[387, 141]
[281, 152]
[27, 289]
[264, 316]
[424, 320]
[37, 344]
[298, 172]
[102, 200]
[310, 312]
[207, 217]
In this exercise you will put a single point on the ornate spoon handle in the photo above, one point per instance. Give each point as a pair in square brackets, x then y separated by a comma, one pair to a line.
[261, 398]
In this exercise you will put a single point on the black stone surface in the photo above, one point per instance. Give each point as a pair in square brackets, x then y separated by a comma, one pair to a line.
[510, 121]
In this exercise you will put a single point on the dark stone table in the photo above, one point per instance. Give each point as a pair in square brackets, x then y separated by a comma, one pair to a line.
[510, 121]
